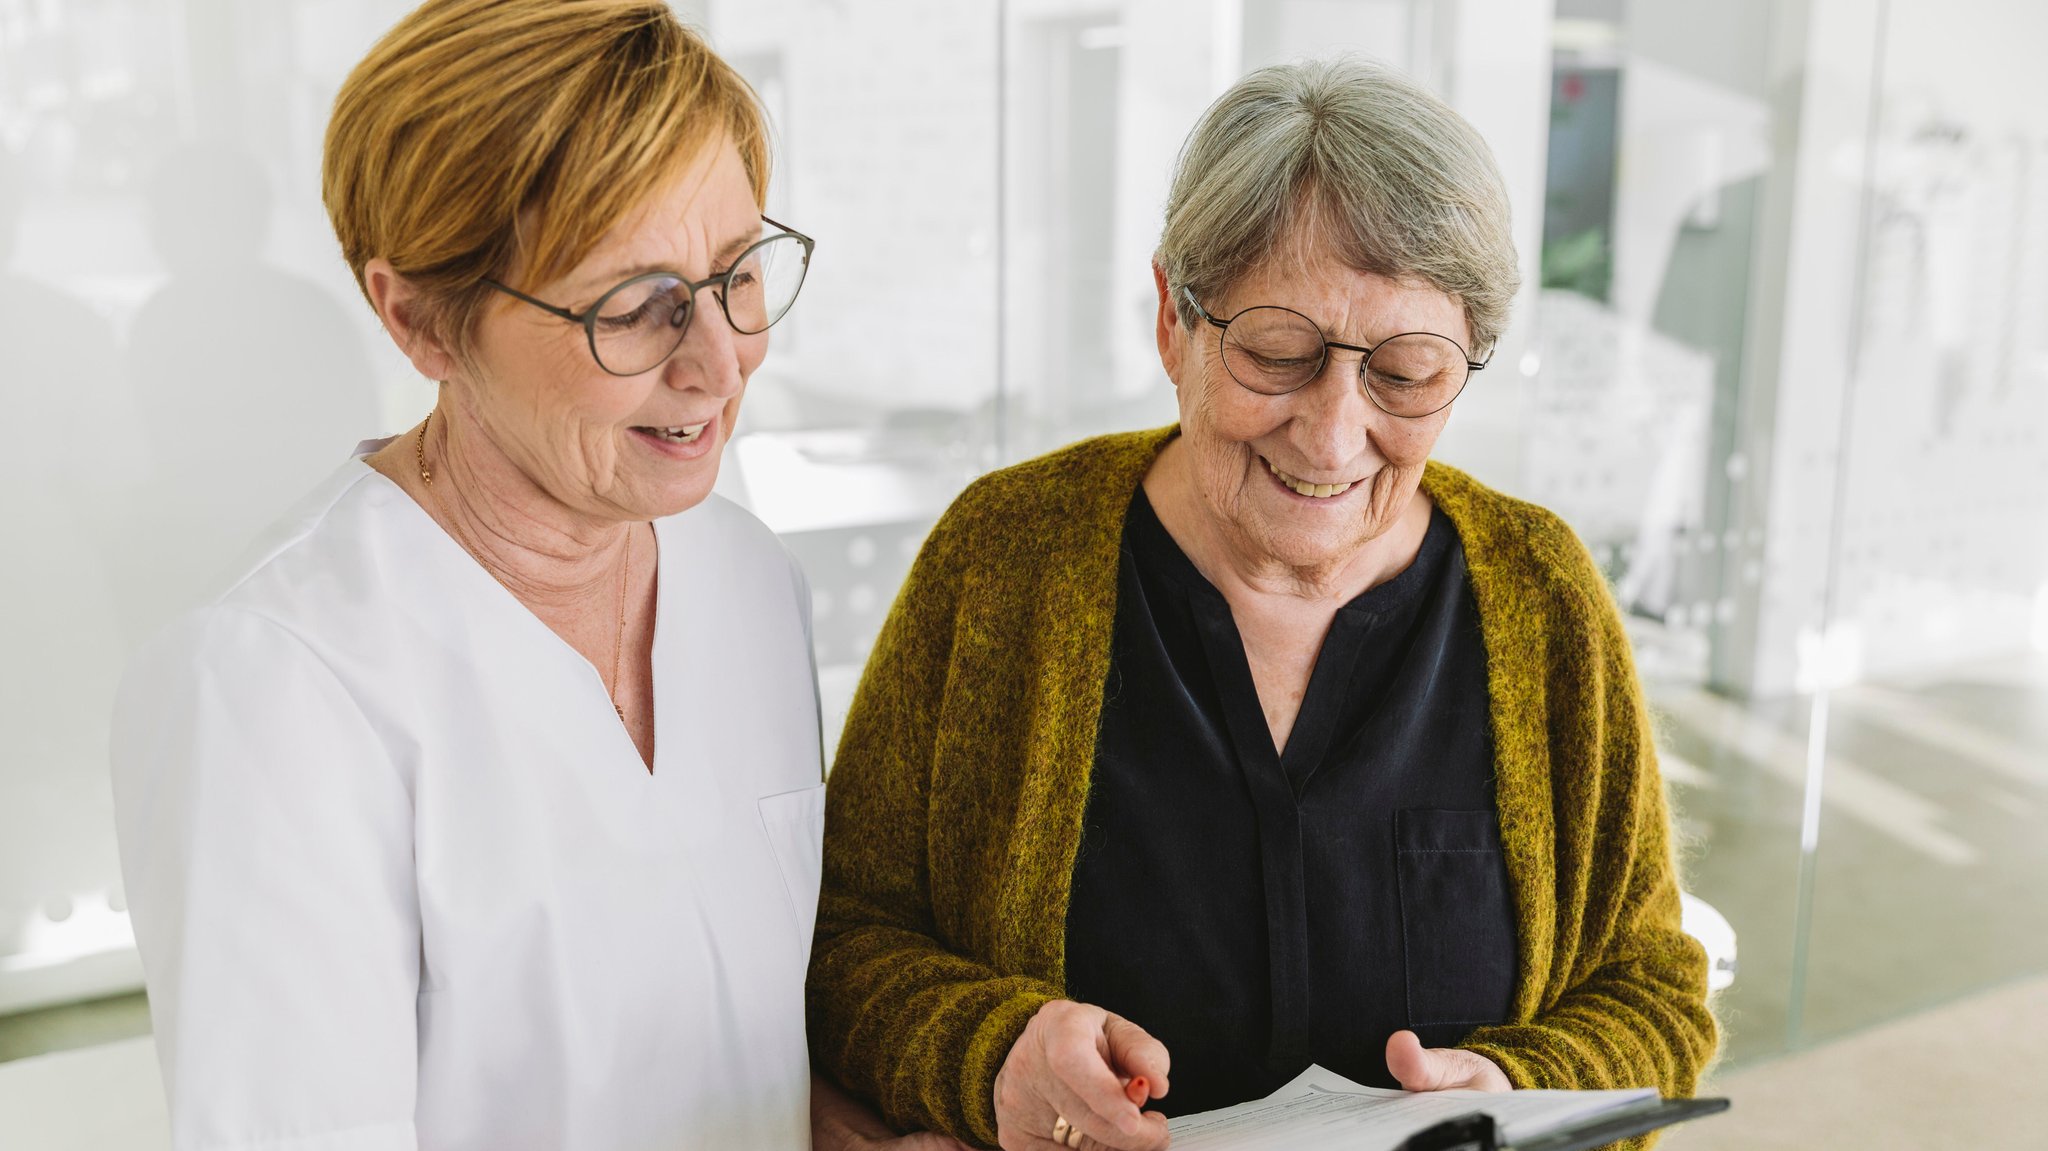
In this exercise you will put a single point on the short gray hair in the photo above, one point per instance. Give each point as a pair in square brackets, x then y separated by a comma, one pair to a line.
[1369, 166]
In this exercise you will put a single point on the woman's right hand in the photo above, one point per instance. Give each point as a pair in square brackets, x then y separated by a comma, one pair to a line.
[1082, 1064]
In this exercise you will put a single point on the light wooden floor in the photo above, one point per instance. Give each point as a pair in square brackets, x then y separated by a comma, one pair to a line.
[1970, 1076]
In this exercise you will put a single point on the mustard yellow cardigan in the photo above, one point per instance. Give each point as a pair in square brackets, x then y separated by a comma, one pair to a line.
[954, 808]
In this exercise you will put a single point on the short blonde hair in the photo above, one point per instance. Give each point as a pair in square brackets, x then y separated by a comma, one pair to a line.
[480, 136]
[1361, 163]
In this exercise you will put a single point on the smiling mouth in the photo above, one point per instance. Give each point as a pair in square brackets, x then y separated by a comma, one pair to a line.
[1303, 487]
[683, 435]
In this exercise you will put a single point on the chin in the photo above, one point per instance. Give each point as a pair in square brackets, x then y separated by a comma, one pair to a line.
[1304, 549]
[674, 494]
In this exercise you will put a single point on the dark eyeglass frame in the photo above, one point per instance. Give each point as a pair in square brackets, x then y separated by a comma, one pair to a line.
[1223, 327]
[588, 318]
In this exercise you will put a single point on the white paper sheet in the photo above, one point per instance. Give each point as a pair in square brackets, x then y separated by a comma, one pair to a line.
[1323, 1111]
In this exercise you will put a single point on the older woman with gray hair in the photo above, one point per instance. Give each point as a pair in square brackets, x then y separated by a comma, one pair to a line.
[1189, 758]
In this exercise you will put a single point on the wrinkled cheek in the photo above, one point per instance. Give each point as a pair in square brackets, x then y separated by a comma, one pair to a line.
[599, 459]
[1201, 407]
[1390, 494]
[1411, 451]
[1226, 437]
[1383, 490]
[1226, 475]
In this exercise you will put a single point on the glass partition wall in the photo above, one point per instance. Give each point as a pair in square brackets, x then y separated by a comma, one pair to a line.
[1930, 877]
[1779, 360]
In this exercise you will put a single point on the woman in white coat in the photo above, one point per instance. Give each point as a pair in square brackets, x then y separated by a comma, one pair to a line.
[481, 809]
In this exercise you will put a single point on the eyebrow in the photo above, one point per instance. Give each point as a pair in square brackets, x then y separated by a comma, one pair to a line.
[724, 255]
[1347, 345]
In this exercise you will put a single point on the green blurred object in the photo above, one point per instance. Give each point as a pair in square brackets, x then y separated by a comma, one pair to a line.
[1581, 262]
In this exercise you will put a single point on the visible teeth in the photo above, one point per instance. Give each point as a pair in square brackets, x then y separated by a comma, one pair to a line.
[682, 435]
[1319, 491]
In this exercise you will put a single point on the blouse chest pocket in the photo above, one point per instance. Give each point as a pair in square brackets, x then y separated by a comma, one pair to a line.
[795, 825]
[1457, 922]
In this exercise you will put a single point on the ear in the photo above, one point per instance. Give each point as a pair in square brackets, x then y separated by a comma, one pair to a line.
[399, 304]
[1169, 330]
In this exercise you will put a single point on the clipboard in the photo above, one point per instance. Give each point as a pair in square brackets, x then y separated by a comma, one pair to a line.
[1476, 1132]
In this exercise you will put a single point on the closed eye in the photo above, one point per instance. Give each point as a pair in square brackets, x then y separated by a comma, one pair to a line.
[637, 316]
[1389, 380]
[1265, 361]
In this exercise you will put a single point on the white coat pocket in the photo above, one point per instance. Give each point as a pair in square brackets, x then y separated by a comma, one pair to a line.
[795, 823]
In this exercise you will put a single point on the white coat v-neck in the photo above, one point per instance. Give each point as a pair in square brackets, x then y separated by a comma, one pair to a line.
[401, 880]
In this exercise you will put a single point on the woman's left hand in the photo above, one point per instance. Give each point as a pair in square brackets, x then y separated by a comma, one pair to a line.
[1420, 1068]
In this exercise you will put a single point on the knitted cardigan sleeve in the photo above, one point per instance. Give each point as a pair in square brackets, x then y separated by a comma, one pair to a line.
[895, 1013]
[1625, 1002]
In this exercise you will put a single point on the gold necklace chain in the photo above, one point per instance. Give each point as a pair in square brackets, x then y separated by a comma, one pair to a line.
[419, 451]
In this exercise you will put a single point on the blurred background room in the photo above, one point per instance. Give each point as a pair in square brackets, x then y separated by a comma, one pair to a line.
[1781, 359]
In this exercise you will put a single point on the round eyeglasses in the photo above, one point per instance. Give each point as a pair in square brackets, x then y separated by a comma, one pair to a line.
[637, 325]
[1273, 350]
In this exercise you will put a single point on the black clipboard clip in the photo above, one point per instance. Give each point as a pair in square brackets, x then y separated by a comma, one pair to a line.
[1476, 1132]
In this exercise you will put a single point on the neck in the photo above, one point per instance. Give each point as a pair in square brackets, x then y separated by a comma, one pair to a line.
[1227, 560]
[548, 554]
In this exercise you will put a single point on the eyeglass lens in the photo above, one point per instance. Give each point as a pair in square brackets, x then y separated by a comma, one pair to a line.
[641, 322]
[1275, 350]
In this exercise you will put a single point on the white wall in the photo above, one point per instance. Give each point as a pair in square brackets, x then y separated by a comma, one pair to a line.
[181, 352]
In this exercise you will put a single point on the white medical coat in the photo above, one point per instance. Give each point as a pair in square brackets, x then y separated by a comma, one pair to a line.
[400, 878]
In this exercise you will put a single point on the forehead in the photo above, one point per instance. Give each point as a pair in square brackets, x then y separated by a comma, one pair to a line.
[1348, 304]
[684, 226]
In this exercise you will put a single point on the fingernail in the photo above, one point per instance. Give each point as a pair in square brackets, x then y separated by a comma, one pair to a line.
[1138, 1090]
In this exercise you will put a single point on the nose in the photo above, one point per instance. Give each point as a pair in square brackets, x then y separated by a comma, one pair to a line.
[1333, 418]
[708, 358]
